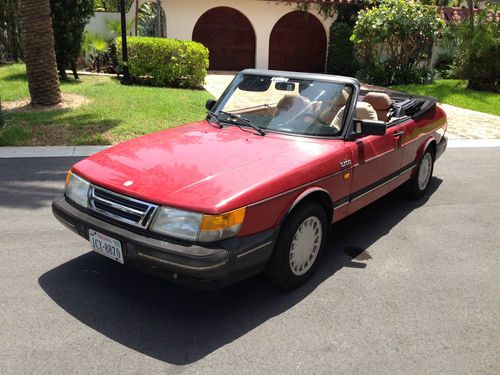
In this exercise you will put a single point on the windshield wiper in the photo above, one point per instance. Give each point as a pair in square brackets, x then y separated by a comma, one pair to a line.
[244, 120]
[213, 117]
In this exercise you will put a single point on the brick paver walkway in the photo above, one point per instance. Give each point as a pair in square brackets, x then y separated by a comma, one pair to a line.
[462, 123]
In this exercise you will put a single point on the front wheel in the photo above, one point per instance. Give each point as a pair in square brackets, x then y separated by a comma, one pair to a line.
[300, 243]
[418, 185]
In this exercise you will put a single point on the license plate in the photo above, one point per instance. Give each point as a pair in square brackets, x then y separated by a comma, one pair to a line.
[106, 246]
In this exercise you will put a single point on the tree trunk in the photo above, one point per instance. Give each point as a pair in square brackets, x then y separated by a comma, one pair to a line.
[74, 70]
[470, 4]
[136, 16]
[39, 55]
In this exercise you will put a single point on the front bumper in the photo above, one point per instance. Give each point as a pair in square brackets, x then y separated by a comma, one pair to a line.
[231, 260]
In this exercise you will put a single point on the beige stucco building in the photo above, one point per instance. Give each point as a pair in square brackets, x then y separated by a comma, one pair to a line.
[246, 33]
[283, 38]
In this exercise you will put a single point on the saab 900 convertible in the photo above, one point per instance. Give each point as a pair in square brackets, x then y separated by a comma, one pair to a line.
[255, 186]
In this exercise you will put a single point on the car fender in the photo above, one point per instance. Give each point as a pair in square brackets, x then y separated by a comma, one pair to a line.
[313, 192]
[425, 145]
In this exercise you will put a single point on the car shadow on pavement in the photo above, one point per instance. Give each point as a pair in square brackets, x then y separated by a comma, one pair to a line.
[32, 183]
[181, 326]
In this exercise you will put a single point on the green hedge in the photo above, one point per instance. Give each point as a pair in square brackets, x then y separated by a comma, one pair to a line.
[166, 62]
[341, 58]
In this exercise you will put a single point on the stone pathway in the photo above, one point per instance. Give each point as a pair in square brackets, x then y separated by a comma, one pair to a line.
[216, 82]
[462, 123]
[468, 124]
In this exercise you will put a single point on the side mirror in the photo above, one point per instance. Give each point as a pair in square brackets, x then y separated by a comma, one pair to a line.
[369, 127]
[210, 104]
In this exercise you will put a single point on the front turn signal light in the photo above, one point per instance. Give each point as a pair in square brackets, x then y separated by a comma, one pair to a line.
[219, 227]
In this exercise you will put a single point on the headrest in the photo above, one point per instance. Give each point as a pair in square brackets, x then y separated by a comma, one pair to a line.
[342, 98]
[365, 111]
[379, 100]
[290, 100]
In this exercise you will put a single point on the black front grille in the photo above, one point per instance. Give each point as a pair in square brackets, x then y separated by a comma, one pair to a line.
[120, 207]
[118, 199]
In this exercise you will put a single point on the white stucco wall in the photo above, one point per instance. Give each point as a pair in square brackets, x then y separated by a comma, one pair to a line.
[97, 24]
[182, 16]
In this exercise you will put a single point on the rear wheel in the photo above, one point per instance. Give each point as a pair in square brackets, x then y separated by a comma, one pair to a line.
[301, 241]
[418, 185]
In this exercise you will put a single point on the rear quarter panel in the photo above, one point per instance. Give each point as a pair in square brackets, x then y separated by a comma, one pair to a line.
[431, 126]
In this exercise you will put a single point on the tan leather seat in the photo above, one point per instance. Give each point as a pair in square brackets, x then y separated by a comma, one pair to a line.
[292, 103]
[364, 111]
[334, 107]
[381, 102]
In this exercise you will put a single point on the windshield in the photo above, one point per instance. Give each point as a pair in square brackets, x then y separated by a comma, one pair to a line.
[288, 105]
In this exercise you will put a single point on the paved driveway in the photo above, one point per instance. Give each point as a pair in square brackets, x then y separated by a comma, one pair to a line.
[406, 287]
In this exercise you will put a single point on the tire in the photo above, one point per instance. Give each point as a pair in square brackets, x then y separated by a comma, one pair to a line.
[300, 243]
[418, 185]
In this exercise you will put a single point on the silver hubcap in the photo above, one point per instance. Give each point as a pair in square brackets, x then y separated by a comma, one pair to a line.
[424, 173]
[305, 245]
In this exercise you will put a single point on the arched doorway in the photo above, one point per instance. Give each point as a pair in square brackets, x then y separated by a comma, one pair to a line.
[298, 43]
[229, 36]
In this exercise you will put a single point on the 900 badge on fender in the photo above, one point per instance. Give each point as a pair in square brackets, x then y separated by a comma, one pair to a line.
[345, 164]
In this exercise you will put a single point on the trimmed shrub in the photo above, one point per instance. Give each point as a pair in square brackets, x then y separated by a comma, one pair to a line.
[166, 62]
[341, 58]
[443, 65]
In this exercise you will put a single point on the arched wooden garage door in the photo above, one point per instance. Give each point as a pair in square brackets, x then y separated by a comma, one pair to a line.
[298, 43]
[229, 37]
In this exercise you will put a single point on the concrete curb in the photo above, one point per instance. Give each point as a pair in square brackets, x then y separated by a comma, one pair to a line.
[466, 143]
[95, 74]
[82, 151]
[49, 151]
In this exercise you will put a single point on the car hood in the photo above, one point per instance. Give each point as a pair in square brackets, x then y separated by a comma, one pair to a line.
[201, 168]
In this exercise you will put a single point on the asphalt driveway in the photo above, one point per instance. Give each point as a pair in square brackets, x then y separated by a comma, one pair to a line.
[405, 287]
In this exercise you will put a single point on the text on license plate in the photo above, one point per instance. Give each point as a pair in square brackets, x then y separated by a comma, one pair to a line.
[106, 246]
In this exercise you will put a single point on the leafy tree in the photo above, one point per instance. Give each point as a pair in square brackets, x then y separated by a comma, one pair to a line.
[69, 18]
[147, 19]
[115, 27]
[39, 55]
[477, 57]
[397, 36]
[111, 5]
[341, 58]
[441, 3]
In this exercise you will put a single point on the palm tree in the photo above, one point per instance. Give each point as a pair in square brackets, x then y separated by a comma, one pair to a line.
[39, 55]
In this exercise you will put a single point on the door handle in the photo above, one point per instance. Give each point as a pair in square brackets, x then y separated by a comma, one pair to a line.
[398, 133]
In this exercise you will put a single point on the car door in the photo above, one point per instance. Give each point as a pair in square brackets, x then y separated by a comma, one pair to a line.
[376, 162]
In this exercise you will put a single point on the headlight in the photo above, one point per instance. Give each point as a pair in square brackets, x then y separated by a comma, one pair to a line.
[77, 189]
[177, 223]
[197, 227]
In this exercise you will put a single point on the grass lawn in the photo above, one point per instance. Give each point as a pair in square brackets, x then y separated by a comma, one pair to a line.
[454, 92]
[115, 113]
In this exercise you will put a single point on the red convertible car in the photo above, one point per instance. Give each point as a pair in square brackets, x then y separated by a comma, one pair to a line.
[257, 184]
